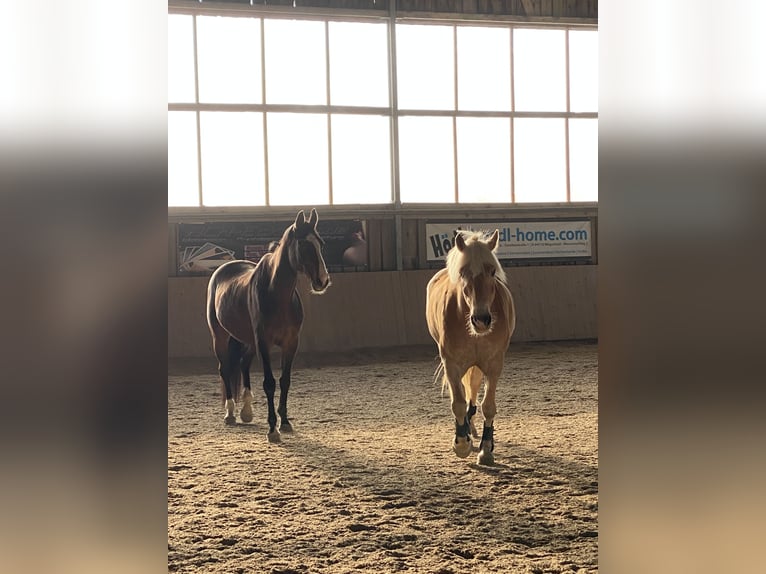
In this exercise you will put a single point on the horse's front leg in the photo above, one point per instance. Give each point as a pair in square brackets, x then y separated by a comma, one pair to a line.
[269, 387]
[489, 410]
[288, 354]
[462, 444]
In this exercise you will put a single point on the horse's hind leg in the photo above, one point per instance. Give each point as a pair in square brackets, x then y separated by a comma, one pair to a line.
[222, 343]
[246, 414]
[288, 354]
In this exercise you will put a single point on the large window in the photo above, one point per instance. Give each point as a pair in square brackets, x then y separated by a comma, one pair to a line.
[275, 111]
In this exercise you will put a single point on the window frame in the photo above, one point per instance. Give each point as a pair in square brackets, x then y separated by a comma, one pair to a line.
[393, 112]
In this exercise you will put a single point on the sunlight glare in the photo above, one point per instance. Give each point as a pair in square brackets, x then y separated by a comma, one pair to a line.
[539, 160]
[183, 185]
[232, 158]
[426, 160]
[425, 67]
[484, 68]
[583, 159]
[298, 170]
[484, 160]
[358, 64]
[361, 155]
[180, 58]
[583, 71]
[539, 69]
[295, 62]
[229, 59]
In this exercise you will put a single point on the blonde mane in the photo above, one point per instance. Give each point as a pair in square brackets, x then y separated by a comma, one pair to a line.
[473, 257]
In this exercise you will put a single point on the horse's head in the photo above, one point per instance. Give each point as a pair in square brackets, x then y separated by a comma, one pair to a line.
[306, 252]
[473, 266]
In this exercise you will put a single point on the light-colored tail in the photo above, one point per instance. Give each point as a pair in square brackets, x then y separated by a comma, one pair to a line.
[439, 372]
[466, 380]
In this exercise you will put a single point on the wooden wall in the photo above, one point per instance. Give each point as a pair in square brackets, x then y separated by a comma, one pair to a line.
[387, 309]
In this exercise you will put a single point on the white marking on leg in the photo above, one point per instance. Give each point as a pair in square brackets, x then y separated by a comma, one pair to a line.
[229, 419]
[246, 414]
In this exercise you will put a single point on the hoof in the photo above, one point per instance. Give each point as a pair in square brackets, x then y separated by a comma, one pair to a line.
[462, 446]
[486, 457]
[230, 419]
[286, 427]
[246, 414]
[274, 437]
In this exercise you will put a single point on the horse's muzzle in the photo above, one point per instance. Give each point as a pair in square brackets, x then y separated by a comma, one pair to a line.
[319, 287]
[481, 322]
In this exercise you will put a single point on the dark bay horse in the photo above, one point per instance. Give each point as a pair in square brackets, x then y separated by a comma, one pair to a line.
[471, 316]
[252, 308]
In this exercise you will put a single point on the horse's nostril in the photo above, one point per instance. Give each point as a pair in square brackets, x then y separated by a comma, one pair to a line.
[485, 319]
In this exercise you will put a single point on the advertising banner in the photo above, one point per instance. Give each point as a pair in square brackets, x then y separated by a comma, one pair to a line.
[518, 239]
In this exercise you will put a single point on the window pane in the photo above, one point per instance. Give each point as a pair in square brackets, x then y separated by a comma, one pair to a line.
[484, 68]
[298, 172]
[229, 59]
[295, 62]
[232, 158]
[426, 160]
[484, 159]
[583, 71]
[358, 64]
[583, 160]
[539, 70]
[180, 58]
[425, 67]
[183, 185]
[361, 159]
[539, 160]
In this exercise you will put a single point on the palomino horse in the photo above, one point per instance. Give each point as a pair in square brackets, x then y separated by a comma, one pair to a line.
[255, 307]
[471, 316]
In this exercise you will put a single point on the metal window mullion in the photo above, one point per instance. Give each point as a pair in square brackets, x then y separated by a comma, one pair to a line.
[197, 112]
[513, 110]
[327, 101]
[566, 120]
[266, 192]
[393, 102]
[454, 116]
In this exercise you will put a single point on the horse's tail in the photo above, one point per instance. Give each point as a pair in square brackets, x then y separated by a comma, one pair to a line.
[466, 380]
[439, 372]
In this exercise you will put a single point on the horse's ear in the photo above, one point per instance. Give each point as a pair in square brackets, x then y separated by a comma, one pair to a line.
[300, 218]
[492, 243]
[459, 241]
[313, 218]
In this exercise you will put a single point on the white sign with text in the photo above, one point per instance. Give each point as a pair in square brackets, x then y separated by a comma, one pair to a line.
[519, 239]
